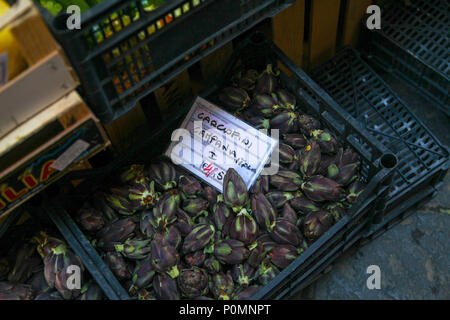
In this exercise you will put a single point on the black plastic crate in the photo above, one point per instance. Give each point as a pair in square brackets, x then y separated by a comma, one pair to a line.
[399, 214]
[81, 246]
[124, 50]
[413, 44]
[11, 234]
[363, 236]
[423, 160]
[255, 52]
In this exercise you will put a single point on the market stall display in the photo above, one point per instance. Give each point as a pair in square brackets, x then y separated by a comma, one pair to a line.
[129, 222]
[351, 160]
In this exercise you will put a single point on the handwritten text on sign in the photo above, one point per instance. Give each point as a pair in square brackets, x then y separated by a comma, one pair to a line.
[214, 141]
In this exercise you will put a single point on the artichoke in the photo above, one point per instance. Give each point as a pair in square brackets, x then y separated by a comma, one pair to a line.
[165, 287]
[193, 282]
[222, 286]
[244, 228]
[200, 236]
[57, 259]
[231, 251]
[263, 211]
[234, 190]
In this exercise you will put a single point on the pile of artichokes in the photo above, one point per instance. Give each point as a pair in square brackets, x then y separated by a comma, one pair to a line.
[39, 270]
[166, 235]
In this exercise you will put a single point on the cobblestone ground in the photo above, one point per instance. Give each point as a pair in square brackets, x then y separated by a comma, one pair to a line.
[414, 255]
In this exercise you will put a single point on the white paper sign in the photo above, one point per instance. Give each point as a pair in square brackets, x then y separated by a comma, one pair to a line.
[214, 141]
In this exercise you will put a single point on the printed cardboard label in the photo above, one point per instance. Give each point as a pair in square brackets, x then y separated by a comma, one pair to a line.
[70, 155]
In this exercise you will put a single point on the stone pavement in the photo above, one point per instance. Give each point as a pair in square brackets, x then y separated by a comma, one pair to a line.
[413, 256]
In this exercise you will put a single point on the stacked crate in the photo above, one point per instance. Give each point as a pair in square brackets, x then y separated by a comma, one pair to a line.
[41, 114]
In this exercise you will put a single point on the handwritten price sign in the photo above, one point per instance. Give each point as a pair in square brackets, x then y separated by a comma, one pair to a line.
[210, 141]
